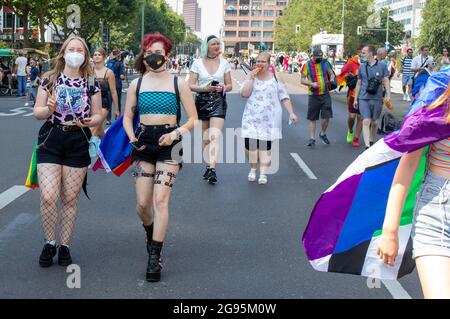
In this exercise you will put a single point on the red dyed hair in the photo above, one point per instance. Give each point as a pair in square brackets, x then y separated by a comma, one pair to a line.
[151, 38]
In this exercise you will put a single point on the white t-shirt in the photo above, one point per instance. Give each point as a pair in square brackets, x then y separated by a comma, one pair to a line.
[419, 60]
[204, 78]
[21, 66]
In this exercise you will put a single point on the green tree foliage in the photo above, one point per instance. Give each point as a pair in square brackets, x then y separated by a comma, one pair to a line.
[159, 17]
[378, 38]
[435, 27]
[313, 15]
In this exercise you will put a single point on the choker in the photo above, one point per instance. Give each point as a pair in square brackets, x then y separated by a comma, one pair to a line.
[211, 57]
[151, 70]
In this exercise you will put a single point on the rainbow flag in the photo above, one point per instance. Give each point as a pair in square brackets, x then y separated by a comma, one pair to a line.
[346, 222]
[32, 177]
[114, 152]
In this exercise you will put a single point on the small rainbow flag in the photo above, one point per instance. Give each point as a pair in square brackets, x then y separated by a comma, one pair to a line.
[32, 177]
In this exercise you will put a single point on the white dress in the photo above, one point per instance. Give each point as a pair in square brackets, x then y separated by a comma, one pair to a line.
[262, 114]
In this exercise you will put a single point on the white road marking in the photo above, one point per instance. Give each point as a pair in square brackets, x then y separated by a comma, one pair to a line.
[303, 166]
[396, 290]
[12, 194]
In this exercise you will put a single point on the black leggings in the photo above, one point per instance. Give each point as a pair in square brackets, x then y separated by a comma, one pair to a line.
[252, 145]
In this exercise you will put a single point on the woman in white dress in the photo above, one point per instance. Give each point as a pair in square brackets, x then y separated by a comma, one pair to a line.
[261, 121]
[210, 78]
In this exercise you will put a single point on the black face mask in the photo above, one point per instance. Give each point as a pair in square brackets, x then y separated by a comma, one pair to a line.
[318, 60]
[155, 61]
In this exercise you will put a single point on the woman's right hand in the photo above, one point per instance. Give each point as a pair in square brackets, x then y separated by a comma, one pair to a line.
[133, 139]
[211, 88]
[51, 101]
[387, 248]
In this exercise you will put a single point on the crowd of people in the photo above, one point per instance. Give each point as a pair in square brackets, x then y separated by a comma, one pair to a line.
[75, 96]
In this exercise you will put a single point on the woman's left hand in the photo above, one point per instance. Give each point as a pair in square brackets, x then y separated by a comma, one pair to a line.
[84, 122]
[219, 88]
[293, 118]
[167, 139]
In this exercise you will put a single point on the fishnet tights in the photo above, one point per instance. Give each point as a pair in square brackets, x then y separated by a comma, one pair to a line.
[56, 180]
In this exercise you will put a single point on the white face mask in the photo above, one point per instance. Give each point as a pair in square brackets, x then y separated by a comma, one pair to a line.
[74, 59]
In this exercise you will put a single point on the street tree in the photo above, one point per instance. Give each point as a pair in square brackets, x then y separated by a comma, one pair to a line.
[435, 26]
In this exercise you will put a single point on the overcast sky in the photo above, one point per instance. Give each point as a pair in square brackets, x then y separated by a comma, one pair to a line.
[211, 14]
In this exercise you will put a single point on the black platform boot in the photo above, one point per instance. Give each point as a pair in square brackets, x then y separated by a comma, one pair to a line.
[149, 231]
[154, 265]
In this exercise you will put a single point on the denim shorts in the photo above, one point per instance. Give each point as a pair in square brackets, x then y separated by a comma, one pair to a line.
[149, 136]
[431, 224]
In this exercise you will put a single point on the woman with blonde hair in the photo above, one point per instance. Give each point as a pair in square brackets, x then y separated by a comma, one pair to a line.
[70, 103]
[210, 78]
[107, 81]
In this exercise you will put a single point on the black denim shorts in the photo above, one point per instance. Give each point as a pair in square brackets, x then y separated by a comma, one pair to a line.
[63, 145]
[149, 136]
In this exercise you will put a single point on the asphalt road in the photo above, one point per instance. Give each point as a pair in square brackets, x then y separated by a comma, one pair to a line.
[232, 240]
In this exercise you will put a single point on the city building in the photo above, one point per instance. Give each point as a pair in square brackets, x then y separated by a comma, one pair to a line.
[12, 28]
[249, 25]
[192, 15]
[408, 12]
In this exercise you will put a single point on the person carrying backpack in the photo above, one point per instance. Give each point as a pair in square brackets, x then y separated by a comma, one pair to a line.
[117, 66]
[155, 98]
[349, 75]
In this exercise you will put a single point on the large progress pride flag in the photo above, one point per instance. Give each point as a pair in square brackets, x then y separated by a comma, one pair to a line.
[345, 226]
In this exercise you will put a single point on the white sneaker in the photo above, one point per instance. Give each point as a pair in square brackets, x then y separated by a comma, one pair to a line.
[404, 97]
[252, 175]
[408, 98]
[262, 179]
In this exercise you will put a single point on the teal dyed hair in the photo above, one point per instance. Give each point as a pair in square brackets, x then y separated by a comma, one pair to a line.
[205, 44]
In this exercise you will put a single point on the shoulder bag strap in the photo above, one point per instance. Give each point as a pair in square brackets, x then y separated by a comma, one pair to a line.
[138, 88]
[74, 114]
[177, 93]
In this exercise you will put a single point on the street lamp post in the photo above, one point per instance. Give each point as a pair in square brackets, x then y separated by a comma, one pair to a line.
[142, 20]
[387, 27]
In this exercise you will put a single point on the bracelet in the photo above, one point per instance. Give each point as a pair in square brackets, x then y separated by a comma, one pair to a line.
[178, 133]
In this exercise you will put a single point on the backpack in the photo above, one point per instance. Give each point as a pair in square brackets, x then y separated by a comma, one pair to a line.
[352, 81]
[388, 124]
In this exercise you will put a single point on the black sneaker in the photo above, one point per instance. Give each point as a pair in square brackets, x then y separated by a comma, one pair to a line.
[212, 178]
[311, 142]
[371, 143]
[47, 254]
[64, 258]
[324, 139]
[206, 174]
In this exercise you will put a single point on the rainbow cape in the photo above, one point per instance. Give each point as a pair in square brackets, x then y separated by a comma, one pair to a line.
[346, 222]
[114, 153]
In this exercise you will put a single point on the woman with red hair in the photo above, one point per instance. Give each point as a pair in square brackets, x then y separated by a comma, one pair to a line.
[157, 151]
